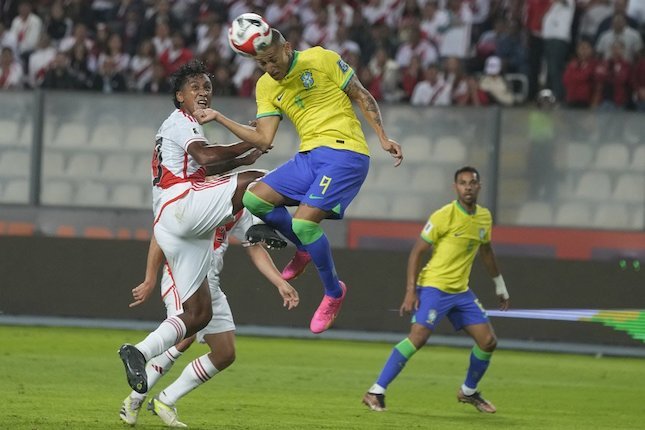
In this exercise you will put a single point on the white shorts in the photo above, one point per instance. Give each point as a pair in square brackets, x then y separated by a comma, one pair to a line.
[185, 228]
[222, 320]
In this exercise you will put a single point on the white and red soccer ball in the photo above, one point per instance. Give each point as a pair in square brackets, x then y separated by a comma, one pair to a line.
[249, 33]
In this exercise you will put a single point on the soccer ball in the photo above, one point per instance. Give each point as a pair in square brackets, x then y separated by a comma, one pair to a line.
[248, 33]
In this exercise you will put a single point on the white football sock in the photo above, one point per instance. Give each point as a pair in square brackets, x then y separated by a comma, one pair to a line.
[196, 373]
[157, 367]
[467, 390]
[169, 333]
[376, 389]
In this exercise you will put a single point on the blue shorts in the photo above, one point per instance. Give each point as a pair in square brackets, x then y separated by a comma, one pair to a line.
[462, 309]
[324, 178]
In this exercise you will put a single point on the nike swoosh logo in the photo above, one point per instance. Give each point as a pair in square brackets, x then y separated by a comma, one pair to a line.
[280, 97]
[314, 197]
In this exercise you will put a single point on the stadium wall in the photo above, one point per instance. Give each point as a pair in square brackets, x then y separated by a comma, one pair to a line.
[93, 279]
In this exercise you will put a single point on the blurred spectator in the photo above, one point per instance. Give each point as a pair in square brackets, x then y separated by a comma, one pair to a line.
[385, 75]
[39, 61]
[614, 80]
[114, 51]
[279, 13]
[59, 76]
[409, 15]
[130, 31]
[636, 11]
[432, 90]
[510, 48]
[162, 39]
[159, 84]
[579, 76]
[309, 12]
[101, 39]
[556, 31]
[375, 12]
[340, 12]
[433, 21]
[342, 44]
[160, 13]
[26, 28]
[295, 38]
[320, 31]
[109, 80]
[58, 25]
[82, 65]
[595, 12]
[533, 16]
[463, 88]
[480, 10]
[11, 72]
[411, 75]
[222, 83]
[638, 83]
[493, 84]
[247, 86]
[488, 42]
[212, 60]
[620, 8]
[79, 35]
[176, 56]
[415, 46]
[629, 37]
[8, 39]
[141, 65]
[102, 10]
[455, 41]
[215, 37]
[373, 38]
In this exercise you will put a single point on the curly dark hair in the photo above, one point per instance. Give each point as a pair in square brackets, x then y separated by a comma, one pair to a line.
[188, 70]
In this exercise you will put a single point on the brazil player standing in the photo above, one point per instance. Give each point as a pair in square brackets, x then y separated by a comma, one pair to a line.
[457, 232]
[315, 89]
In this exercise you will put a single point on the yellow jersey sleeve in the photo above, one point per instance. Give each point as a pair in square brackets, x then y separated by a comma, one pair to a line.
[338, 71]
[264, 98]
[432, 231]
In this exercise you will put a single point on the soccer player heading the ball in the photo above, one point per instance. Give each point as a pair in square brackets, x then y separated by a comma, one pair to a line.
[456, 232]
[315, 89]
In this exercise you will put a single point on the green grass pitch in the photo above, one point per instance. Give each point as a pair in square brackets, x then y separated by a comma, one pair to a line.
[72, 378]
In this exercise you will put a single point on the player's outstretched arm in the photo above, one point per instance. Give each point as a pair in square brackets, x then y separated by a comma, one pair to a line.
[206, 154]
[260, 137]
[154, 261]
[411, 300]
[265, 265]
[357, 93]
[228, 165]
[490, 262]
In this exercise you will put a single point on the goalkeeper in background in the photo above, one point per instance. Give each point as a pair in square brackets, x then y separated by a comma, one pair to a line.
[456, 232]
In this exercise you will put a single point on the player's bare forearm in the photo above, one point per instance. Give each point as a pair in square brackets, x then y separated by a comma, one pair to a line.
[208, 155]
[357, 93]
[367, 103]
[262, 260]
[228, 165]
[489, 260]
[260, 136]
[154, 261]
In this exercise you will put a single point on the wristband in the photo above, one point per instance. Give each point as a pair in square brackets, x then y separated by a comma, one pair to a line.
[500, 287]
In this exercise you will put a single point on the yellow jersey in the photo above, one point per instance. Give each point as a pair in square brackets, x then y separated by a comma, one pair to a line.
[455, 236]
[312, 95]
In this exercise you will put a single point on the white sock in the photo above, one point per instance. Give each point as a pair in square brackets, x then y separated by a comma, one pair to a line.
[468, 391]
[157, 367]
[195, 374]
[169, 333]
[376, 389]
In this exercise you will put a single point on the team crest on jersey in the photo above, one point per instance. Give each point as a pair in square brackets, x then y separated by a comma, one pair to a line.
[307, 79]
[343, 65]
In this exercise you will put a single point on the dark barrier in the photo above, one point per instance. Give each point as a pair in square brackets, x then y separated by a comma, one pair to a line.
[93, 278]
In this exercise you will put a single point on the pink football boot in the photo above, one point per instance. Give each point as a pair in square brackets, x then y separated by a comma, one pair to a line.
[327, 311]
[296, 266]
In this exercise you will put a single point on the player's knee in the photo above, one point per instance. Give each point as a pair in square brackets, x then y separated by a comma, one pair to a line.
[222, 360]
[307, 231]
[255, 204]
[489, 344]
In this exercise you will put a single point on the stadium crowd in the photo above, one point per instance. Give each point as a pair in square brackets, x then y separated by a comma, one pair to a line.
[426, 52]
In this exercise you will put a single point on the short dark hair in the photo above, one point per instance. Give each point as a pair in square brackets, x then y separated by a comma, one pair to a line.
[188, 70]
[470, 169]
[277, 39]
